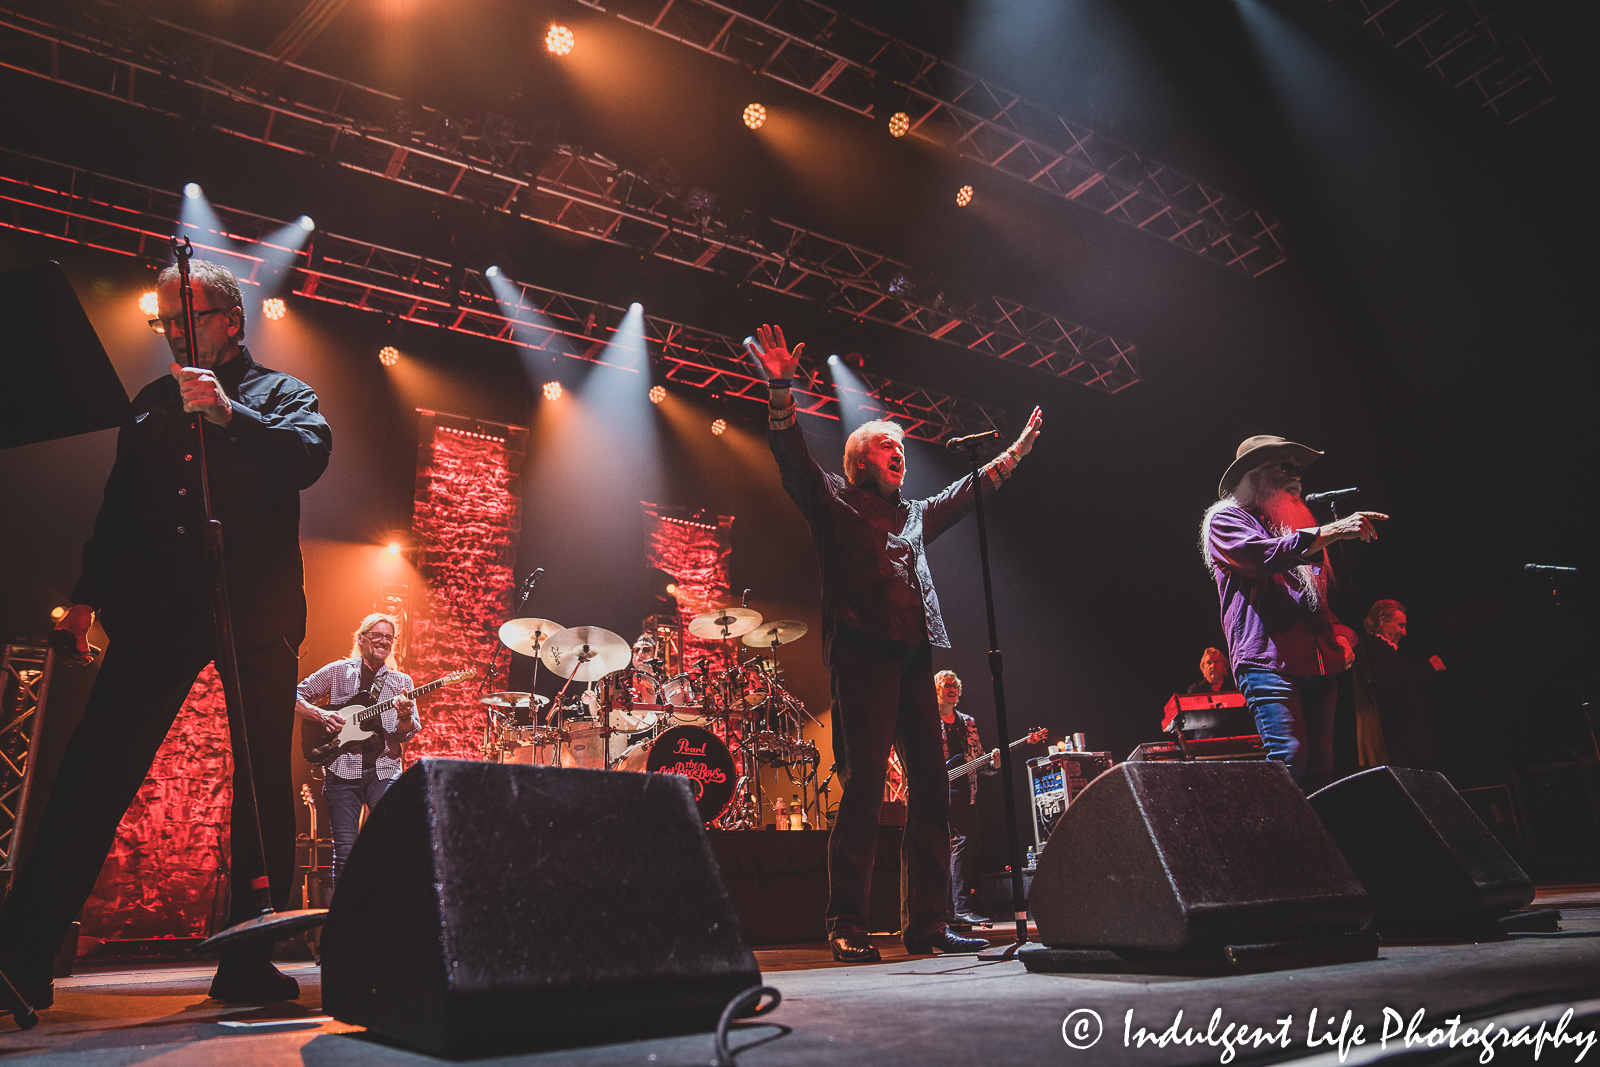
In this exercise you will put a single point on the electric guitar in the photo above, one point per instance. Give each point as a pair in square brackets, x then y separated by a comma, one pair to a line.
[1032, 737]
[321, 745]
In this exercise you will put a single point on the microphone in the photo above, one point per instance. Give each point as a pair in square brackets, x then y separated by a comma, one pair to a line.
[955, 444]
[529, 582]
[1549, 567]
[1331, 494]
[744, 601]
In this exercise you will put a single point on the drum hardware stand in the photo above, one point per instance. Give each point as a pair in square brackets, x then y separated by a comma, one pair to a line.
[268, 925]
[997, 674]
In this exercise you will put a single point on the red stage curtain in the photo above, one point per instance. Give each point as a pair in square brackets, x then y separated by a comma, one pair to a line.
[696, 553]
[163, 871]
[466, 522]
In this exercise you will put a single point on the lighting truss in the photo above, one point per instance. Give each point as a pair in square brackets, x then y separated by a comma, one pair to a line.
[1466, 46]
[63, 202]
[171, 70]
[819, 51]
[25, 668]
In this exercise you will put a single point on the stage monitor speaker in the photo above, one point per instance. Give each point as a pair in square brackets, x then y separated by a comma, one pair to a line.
[1172, 857]
[496, 908]
[1431, 866]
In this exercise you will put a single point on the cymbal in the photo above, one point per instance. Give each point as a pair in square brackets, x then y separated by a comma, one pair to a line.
[525, 635]
[768, 634]
[514, 700]
[725, 622]
[590, 651]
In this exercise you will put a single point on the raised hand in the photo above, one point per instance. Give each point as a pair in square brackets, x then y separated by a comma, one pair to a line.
[770, 350]
[1024, 443]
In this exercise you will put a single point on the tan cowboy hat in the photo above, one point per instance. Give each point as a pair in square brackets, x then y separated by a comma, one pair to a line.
[1254, 451]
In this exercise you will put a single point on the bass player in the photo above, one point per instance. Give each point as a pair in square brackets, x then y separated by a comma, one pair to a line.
[359, 775]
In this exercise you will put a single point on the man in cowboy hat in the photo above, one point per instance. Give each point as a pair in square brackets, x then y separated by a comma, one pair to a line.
[1269, 557]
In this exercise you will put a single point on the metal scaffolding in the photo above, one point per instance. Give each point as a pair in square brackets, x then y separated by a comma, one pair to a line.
[70, 204]
[25, 668]
[817, 50]
[1466, 46]
[171, 70]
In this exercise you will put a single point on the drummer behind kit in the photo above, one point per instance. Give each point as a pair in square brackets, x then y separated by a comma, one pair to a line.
[321, 745]
[714, 729]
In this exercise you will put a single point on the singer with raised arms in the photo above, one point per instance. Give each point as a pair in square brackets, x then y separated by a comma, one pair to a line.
[880, 624]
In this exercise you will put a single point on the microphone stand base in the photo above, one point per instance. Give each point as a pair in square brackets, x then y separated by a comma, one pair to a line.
[264, 929]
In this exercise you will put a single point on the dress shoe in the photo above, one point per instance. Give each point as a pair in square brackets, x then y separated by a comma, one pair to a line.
[942, 939]
[250, 978]
[855, 948]
[969, 919]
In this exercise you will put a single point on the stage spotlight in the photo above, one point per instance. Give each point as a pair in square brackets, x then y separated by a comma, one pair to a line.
[964, 196]
[718, 427]
[307, 224]
[192, 191]
[388, 355]
[672, 590]
[754, 116]
[833, 360]
[899, 124]
[149, 304]
[558, 40]
[552, 390]
[657, 394]
[394, 548]
[273, 308]
[492, 272]
[58, 611]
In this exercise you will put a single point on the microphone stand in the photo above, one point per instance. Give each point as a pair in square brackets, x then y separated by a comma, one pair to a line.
[249, 852]
[1019, 907]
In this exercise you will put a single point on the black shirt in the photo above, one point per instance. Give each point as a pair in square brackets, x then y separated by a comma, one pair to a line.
[144, 566]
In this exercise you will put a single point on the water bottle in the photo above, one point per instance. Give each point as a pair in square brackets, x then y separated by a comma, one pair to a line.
[780, 815]
[797, 815]
[1032, 862]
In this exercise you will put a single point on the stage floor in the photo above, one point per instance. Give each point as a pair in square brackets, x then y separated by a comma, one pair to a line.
[923, 1010]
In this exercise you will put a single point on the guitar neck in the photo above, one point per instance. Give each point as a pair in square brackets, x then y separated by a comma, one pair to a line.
[379, 709]
[969, 767]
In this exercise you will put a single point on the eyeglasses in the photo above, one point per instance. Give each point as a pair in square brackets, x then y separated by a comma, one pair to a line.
[163, 324]
[378, 639]
[1286, 467]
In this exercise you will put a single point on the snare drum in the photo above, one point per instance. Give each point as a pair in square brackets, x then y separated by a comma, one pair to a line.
[692, 753]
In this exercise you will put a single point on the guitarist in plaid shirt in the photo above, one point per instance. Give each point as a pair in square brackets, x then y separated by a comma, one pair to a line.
[358, 776]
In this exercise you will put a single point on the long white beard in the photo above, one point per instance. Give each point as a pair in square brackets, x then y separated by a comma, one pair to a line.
[1282, 514]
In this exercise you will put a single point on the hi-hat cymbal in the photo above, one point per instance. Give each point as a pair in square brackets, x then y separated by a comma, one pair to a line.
[585, 653]
[526, 635]
[768, 634]
[514, 700]
[725, 622]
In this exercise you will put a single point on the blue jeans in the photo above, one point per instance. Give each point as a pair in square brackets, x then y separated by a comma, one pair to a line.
[344, 797]
[1294, 716]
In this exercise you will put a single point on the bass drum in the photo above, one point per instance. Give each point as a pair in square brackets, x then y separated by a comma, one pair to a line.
[693, 753]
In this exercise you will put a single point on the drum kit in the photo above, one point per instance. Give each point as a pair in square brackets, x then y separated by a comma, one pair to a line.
[713, 727]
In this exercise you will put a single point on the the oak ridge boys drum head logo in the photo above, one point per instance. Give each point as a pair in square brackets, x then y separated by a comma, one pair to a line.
[698, 755]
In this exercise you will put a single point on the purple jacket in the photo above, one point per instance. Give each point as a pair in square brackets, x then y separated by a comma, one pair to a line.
[1267, 617]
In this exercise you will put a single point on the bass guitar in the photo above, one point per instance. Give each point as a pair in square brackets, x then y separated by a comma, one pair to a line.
[1033, 737]
[321, 745]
